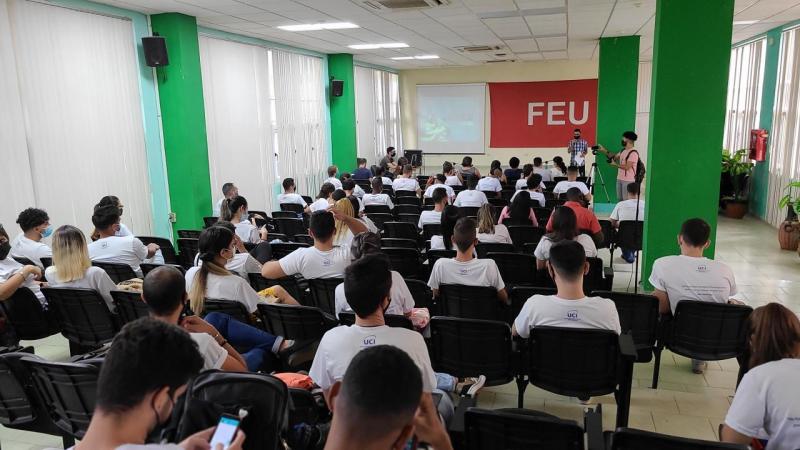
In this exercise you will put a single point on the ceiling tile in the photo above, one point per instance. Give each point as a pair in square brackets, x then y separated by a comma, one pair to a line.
[522, 45]
[508, 26]
[547, 25]
[552, 43]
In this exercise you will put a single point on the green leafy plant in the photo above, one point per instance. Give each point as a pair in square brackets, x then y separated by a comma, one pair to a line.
[739, 168]
[788, 199]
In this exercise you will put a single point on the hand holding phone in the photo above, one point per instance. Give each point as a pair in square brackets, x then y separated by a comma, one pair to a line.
[225, 433]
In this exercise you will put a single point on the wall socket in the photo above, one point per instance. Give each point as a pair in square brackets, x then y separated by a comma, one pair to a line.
[172, 217]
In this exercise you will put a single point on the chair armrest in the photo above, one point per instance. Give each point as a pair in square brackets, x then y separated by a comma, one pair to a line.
[457, 426]
[626, 346]
[608, 278]
[593, 424]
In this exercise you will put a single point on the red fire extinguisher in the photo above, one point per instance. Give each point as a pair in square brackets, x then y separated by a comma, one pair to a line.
[758, 144]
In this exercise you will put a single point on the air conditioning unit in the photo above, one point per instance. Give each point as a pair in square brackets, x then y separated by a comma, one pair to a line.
[491, 61]
[403, 5]
[478, 49]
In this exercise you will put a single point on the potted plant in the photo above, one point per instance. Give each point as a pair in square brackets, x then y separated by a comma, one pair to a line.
[738, 169]
[789, 230]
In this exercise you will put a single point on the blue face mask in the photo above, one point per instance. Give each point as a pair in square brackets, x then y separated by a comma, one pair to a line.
[245, 214]
[47, 232]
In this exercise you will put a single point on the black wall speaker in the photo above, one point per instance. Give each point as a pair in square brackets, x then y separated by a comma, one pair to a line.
[155, 51]
[337, 88]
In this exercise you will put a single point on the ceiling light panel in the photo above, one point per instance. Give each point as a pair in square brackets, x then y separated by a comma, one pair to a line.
[540, 4]
[377, 46]
[318, 26]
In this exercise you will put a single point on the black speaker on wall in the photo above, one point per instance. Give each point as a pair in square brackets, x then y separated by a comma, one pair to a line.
[337, 88]
[155, 51]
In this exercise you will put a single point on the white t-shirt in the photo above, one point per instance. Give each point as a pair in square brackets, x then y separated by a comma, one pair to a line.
[688, 278]
[94, 278]
[358, 192]
[241, 264]
[489, 184]
[767, 399]
[536, 196]
[340, 345]
[247, 232]
[377, 199]
[429, 217]
[140, 447]
[226, 287]
[405, 184]
[311, 262]
[8, 267]
[550, 310]
[213, 355]
[471, 198]
[475, 272]
[320, 204]
[556, 172]
[564, 186]
[626, 210]
[386, 181]
[218, 207]
[22, 247]
[291, 198]
[334, 181]
[542, 251]
[452, 180]
[429, 191]
[546, 174]
[401, 299]
[123, 231]
[500, 236]
[122, 250]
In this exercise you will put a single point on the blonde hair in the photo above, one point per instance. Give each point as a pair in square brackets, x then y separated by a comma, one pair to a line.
[343, 206]
[212, 241]
[70, 254]
[486, 219]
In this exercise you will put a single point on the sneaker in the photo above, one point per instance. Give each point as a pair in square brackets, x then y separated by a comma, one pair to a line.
[698, 366]
[470, 386]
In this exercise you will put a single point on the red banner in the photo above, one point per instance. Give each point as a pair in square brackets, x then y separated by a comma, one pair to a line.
[542, 114]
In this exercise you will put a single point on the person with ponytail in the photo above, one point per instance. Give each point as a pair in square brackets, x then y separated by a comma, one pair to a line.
[324, 200]
[564, 229]
[242, 262]
[343, 236]
[235, 211]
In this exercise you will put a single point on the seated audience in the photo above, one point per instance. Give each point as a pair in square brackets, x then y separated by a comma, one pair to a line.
[332, 170]
[538, 167]
[465, 269]
[246, 227]
[290, 197]
[470, 197]
[323, 260]
[765, 404]
[362, 216]
[114, 249]
[440, 198]
[387, 162]
[522, 182]
[14, 275]
[626, 210]
[381, 175]
[513, 173]
[519, 212]
[324, 198]
[35, 225]
[586, 220]
[362, 172]
[406, 182]
[438, 181]
[572, 182]
[560, 169]
[342, 237]
[72, 268]
[350, 187]
[242, 262]
[491, 183]
[497, 166]
[467, 168]
[449, 218]
[452, 177]
[487, 231]
[570, 307]
[564, 228]
[377, 197]
[114, 200]
[228, 191]
[142, 377]
[533, 184]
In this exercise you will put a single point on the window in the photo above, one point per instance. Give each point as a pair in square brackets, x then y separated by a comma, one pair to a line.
[377, 112]
[745, 81]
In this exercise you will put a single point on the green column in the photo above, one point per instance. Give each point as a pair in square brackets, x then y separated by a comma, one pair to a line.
[616, 104]
[183, 121]
[343, 113]
[687, 120]
[760, 190]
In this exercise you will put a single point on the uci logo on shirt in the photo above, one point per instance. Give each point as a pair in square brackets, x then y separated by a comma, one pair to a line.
[702, 269]
[104, 245]
[369, 340]
[463, 271]
[326, 262]
[572, 315]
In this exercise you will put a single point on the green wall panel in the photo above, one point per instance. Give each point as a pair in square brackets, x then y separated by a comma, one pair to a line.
[343, 113]
[760, 187]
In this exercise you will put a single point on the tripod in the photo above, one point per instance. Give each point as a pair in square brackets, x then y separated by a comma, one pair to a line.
[594, 172]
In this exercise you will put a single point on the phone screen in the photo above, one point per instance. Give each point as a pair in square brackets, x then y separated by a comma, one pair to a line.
[225, 432]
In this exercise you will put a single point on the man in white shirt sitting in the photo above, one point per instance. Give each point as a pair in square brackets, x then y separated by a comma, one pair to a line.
[377, 197]
[534, 188]
[539, 168]
[626, 211]
[323, 260]
[691, 276]
[228, 191]
[35, 224]
[572, 181]
[439, 202]
[406, 182]
[570, 307]
[470, 197]
[465, 269]
[381, 175]
[354, 188]
[290, 197]
[491, 183]
[332, 170]
[114, 249]
[436, 182]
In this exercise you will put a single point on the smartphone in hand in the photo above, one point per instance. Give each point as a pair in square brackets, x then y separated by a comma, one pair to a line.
[226, 431]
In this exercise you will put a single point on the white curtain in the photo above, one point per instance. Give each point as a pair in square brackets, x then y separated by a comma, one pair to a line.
[377, 112]
[745, 80]
[784, 159]
[73, 131]
[643, 108]
[239, 124]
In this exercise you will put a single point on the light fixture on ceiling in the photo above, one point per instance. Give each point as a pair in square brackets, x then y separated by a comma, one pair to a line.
[318, 26]
[402, 58]
[744, 22]
[427, 57]
[376, 46]
[406, 58]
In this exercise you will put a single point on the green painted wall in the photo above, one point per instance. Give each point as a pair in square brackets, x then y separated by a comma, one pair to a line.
[183, 121]
[343, 113]
[687, 120]
[760, 186]
[616, 103]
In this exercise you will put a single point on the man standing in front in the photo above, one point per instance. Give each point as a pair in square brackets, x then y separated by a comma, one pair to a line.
[625, 161]
[577, 149]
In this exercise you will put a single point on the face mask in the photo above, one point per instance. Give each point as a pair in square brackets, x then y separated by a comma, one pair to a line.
[5, 249]
[245, 214]
[577, 136]
[47, 232]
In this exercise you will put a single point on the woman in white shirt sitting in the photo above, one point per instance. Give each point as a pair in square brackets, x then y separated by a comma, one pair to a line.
[112, 200]
[452, 177]
[14, 275]
[488, 232]
[72, 268]
[560, 169]
[235, 210]
[565, 226]
[343, 236]
[324, 200]
[449, 218]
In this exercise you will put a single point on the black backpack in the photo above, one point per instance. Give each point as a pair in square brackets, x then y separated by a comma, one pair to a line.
[638, 175]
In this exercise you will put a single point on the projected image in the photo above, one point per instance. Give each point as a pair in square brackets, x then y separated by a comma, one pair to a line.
[450, 118]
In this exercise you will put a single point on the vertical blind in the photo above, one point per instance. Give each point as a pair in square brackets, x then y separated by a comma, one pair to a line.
[644, 82]
[745, 80]
[377, 112]
[71, 115]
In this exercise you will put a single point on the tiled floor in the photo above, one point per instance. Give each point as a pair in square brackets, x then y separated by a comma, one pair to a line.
[684, 404]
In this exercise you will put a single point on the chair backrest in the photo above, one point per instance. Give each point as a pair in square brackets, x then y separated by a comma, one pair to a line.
[407, 209]
[322, 293]
[292, 207]
[595, 280]
[68, 389]
[542, 215]
[484, 248]
[468, 211]
[308, 199]
[406, 261]
[520, 294]
[231, 308]
[83, 315]
[630, 233]
[259, 283]
[20, 404]
[285, 214]
[471, 302]
[515, 268]
[609, 233]
[431, 229]
[348, 318]
[24, 310]
[404, 230]
[130, 305]
[403, 193]
[281, 249]
[209, 221]
[501, 202]
[472, 347]
[435, 255]
[296, 322]
[303, 239]
[630, 439]
[525, 234]
[407, 200]
[490, 194]
[24, 261]
[365, 185]
[46, 262]
[638, 316]
[167, 249]
[147, 267]
[380, 219]
[116, 271]
[412, 219]
[189, 234]
[290, 226]
[709, 331]
[188, 248]
[377, 209]
[421, 292]
[398, 243]
[520, 429]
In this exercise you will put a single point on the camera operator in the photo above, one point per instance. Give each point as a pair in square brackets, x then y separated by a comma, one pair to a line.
[387, 162]
[625, 161]
[577, 149]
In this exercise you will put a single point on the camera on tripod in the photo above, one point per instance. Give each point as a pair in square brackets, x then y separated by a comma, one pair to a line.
[596, 149]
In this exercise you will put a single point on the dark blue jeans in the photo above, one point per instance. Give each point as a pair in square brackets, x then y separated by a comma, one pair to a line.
[256, 346]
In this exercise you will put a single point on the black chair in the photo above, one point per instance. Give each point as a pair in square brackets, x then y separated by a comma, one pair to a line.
[46, 262]
[598, 278]
[471, 302]
[307, 199]
[398, 243]
[68, 390]
[281, 249]
[279, 236]
[24, 261]
[630, 439]
[210, 221]
[491, 194]
[232, 308]
[116, 271]
[468, 211]
[167, 249]
[638, 316]
[365, 185]
[405, 193]
[407, 209]
[322, 293]
[542, 215]
[511, 428]
[292, 207]
[529, 248]
[403, 230]
[609, 234]
[484, 248]
[380, 219]
[708, 332]
[27, 317]
[520, 294]
[515, 268]
[285, 214]
[188, 234]
[84, 317]
[130, 306]
[525, 234]
[147, 268]
[412, 219]
[376, 209]
[431, 229]
[422, 294]
[630, 236]
[549, 185]
[406, 261]
[557, 179]
[300, 323]
[348, 318]
[290, 226]
[580, 362]
[501, 202]
[21, 407]
[259, 283]
[188, 248]
[435, 255]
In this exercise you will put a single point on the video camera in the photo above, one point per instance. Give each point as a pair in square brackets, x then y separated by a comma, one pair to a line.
[596, 150]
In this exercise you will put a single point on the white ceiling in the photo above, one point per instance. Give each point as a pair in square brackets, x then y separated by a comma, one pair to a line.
[526, 30]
